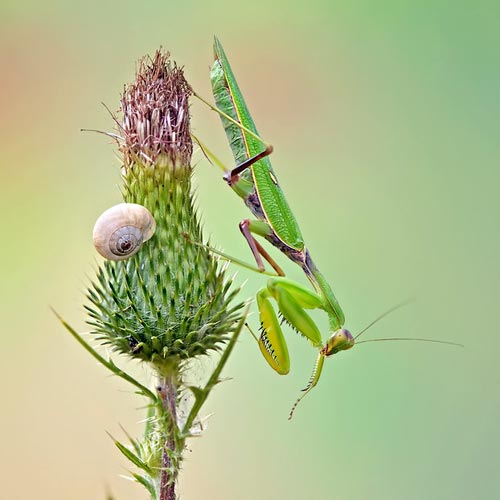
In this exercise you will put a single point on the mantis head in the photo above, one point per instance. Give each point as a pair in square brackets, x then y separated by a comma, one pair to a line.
[340, 340]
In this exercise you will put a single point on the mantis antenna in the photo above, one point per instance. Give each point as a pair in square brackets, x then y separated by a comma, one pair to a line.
[376, 320]
[392, 309]
[413, 338]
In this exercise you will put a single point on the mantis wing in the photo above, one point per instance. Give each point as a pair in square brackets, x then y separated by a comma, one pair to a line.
[229, 100]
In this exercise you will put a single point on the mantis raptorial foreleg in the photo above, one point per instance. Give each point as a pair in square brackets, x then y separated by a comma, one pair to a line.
[272, 343]
[292, 300]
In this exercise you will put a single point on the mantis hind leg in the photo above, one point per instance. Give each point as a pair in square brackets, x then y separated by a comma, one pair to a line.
[247, 227]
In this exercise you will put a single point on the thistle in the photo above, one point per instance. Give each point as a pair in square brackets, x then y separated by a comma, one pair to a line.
[169, 301]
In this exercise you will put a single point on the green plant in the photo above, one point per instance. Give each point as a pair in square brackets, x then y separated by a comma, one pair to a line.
[170, 302]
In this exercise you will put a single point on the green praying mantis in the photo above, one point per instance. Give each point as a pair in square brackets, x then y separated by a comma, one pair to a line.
[254, 180]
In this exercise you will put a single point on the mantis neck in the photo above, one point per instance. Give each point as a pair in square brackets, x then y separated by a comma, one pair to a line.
[318, 281]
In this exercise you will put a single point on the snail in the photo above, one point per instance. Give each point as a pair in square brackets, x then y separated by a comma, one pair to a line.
[121, 230]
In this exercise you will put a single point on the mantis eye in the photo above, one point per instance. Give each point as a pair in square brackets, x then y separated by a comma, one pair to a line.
[340, 341]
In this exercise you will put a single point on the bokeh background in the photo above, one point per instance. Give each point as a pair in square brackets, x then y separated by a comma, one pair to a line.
[385, 121]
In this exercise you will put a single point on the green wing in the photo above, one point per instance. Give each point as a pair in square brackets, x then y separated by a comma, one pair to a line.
[229, 99]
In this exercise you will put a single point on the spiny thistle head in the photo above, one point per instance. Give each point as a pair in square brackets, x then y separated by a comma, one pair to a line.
[169, 301]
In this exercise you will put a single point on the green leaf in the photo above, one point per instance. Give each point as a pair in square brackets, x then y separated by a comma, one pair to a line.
[109, 364]
[132, 457]
[198, 392]
[148, 483]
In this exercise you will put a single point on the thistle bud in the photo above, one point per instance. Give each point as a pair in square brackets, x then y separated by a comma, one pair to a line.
[170, 301]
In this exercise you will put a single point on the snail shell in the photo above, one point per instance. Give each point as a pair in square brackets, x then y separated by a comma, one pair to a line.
[121, 230]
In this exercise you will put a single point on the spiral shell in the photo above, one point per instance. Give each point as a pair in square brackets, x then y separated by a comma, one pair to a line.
[121, 230]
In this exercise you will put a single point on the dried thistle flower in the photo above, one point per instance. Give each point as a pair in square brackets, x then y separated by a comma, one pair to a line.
[155, 112]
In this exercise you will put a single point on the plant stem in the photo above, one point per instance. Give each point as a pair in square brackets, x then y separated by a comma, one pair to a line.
[168, 476]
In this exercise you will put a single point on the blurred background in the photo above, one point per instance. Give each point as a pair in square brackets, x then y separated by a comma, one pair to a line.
[385, 121]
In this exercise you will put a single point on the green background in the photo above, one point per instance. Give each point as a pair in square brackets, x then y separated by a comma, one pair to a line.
[385, 121]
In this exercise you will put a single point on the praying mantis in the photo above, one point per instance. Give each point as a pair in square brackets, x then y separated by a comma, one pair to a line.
[254, 180]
